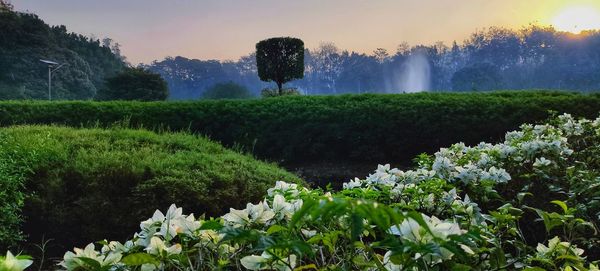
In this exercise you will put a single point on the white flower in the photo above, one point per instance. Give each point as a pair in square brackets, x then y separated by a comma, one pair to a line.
[259, 214]
[167, 225]
[411, 230]
[72, 261]
[266, 261]
[12, 263]
[555, 245]
[114, 246]
[442, 165]
[308, 233]
[541, 162]
[467, 173]
[158, 247]
[498, 175]
[388, 264]
[284, 188]
[352, 184]
[514, 135]
[283, 209]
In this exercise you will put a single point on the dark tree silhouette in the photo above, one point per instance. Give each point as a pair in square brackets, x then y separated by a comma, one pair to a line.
[135, 84]
[280, 60]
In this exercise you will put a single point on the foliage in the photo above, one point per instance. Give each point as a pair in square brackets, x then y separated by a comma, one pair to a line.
[533, 57]
[229, 90]
[190, 78]
[5, 6]
[463, 208]
[85, 184]
[25, 39]
[280, 60]
[483, 76]
[11, 196]
[267, 92]
[366, 128]
[135, 84]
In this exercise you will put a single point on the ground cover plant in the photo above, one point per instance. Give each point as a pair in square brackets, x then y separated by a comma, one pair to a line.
[307, 129]
[79, 185]
[528, 203]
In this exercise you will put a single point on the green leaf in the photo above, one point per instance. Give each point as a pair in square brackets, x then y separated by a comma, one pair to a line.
[562, 205]
[275, 229]
[138, 259]
[91, 263]
[306, 267]
[460, 267]
[211, 225]
[307, 205]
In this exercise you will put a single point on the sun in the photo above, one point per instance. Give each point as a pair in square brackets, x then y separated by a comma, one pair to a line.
[578, 18]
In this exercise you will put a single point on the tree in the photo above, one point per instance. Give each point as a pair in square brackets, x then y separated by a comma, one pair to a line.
[229, 90]
[5, 6]
[479, 77]
[381, 55]
[326, 65]
[280, 60]
[135, 84]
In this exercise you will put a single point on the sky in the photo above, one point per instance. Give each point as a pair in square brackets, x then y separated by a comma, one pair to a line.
[151, 30]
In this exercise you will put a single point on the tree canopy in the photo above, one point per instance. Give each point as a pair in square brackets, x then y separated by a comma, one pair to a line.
[25, 39]
[135, 84]
[533, 57]
[280, 60]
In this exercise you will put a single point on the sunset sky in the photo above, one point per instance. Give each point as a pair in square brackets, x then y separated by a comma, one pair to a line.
[226, 29]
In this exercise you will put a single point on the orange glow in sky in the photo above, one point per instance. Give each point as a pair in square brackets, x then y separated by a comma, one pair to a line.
[577, 18]
[227, 29]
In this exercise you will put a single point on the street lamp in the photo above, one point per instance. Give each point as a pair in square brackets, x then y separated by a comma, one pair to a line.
[52, 67]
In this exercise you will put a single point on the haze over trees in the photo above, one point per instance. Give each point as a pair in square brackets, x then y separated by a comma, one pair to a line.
[533, 57]
[495, 58]
[229, 90]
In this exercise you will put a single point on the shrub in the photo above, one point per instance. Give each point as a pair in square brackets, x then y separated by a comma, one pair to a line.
[365, 128]
[134, 84]
[455, 211]
[267, 92]
[228, 90]
[86, 184]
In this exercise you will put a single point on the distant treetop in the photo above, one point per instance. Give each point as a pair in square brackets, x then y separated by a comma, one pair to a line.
[5, 5]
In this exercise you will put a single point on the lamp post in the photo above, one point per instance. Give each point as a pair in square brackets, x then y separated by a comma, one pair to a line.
[52, 67]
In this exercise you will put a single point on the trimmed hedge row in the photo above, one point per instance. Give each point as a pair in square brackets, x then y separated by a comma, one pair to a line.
[369, 128]
[82, 185]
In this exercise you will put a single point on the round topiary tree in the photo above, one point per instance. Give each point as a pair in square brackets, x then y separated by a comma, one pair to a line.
[84, 185]
[280, 60]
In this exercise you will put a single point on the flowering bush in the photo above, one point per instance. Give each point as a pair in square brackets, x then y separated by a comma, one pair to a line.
[11, 262]
[528, 203]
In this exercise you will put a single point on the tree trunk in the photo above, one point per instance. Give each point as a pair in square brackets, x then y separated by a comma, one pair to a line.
[279, 88]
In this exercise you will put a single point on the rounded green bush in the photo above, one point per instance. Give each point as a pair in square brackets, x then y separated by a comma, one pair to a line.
[82, 185]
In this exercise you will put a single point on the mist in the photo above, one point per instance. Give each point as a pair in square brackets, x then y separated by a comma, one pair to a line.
[534, 57]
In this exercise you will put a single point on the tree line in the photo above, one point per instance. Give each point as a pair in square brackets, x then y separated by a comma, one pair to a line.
[533, 57]
[93, 68]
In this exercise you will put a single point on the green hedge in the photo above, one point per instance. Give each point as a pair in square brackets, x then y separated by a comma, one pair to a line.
[82, 185]
[367, 128]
